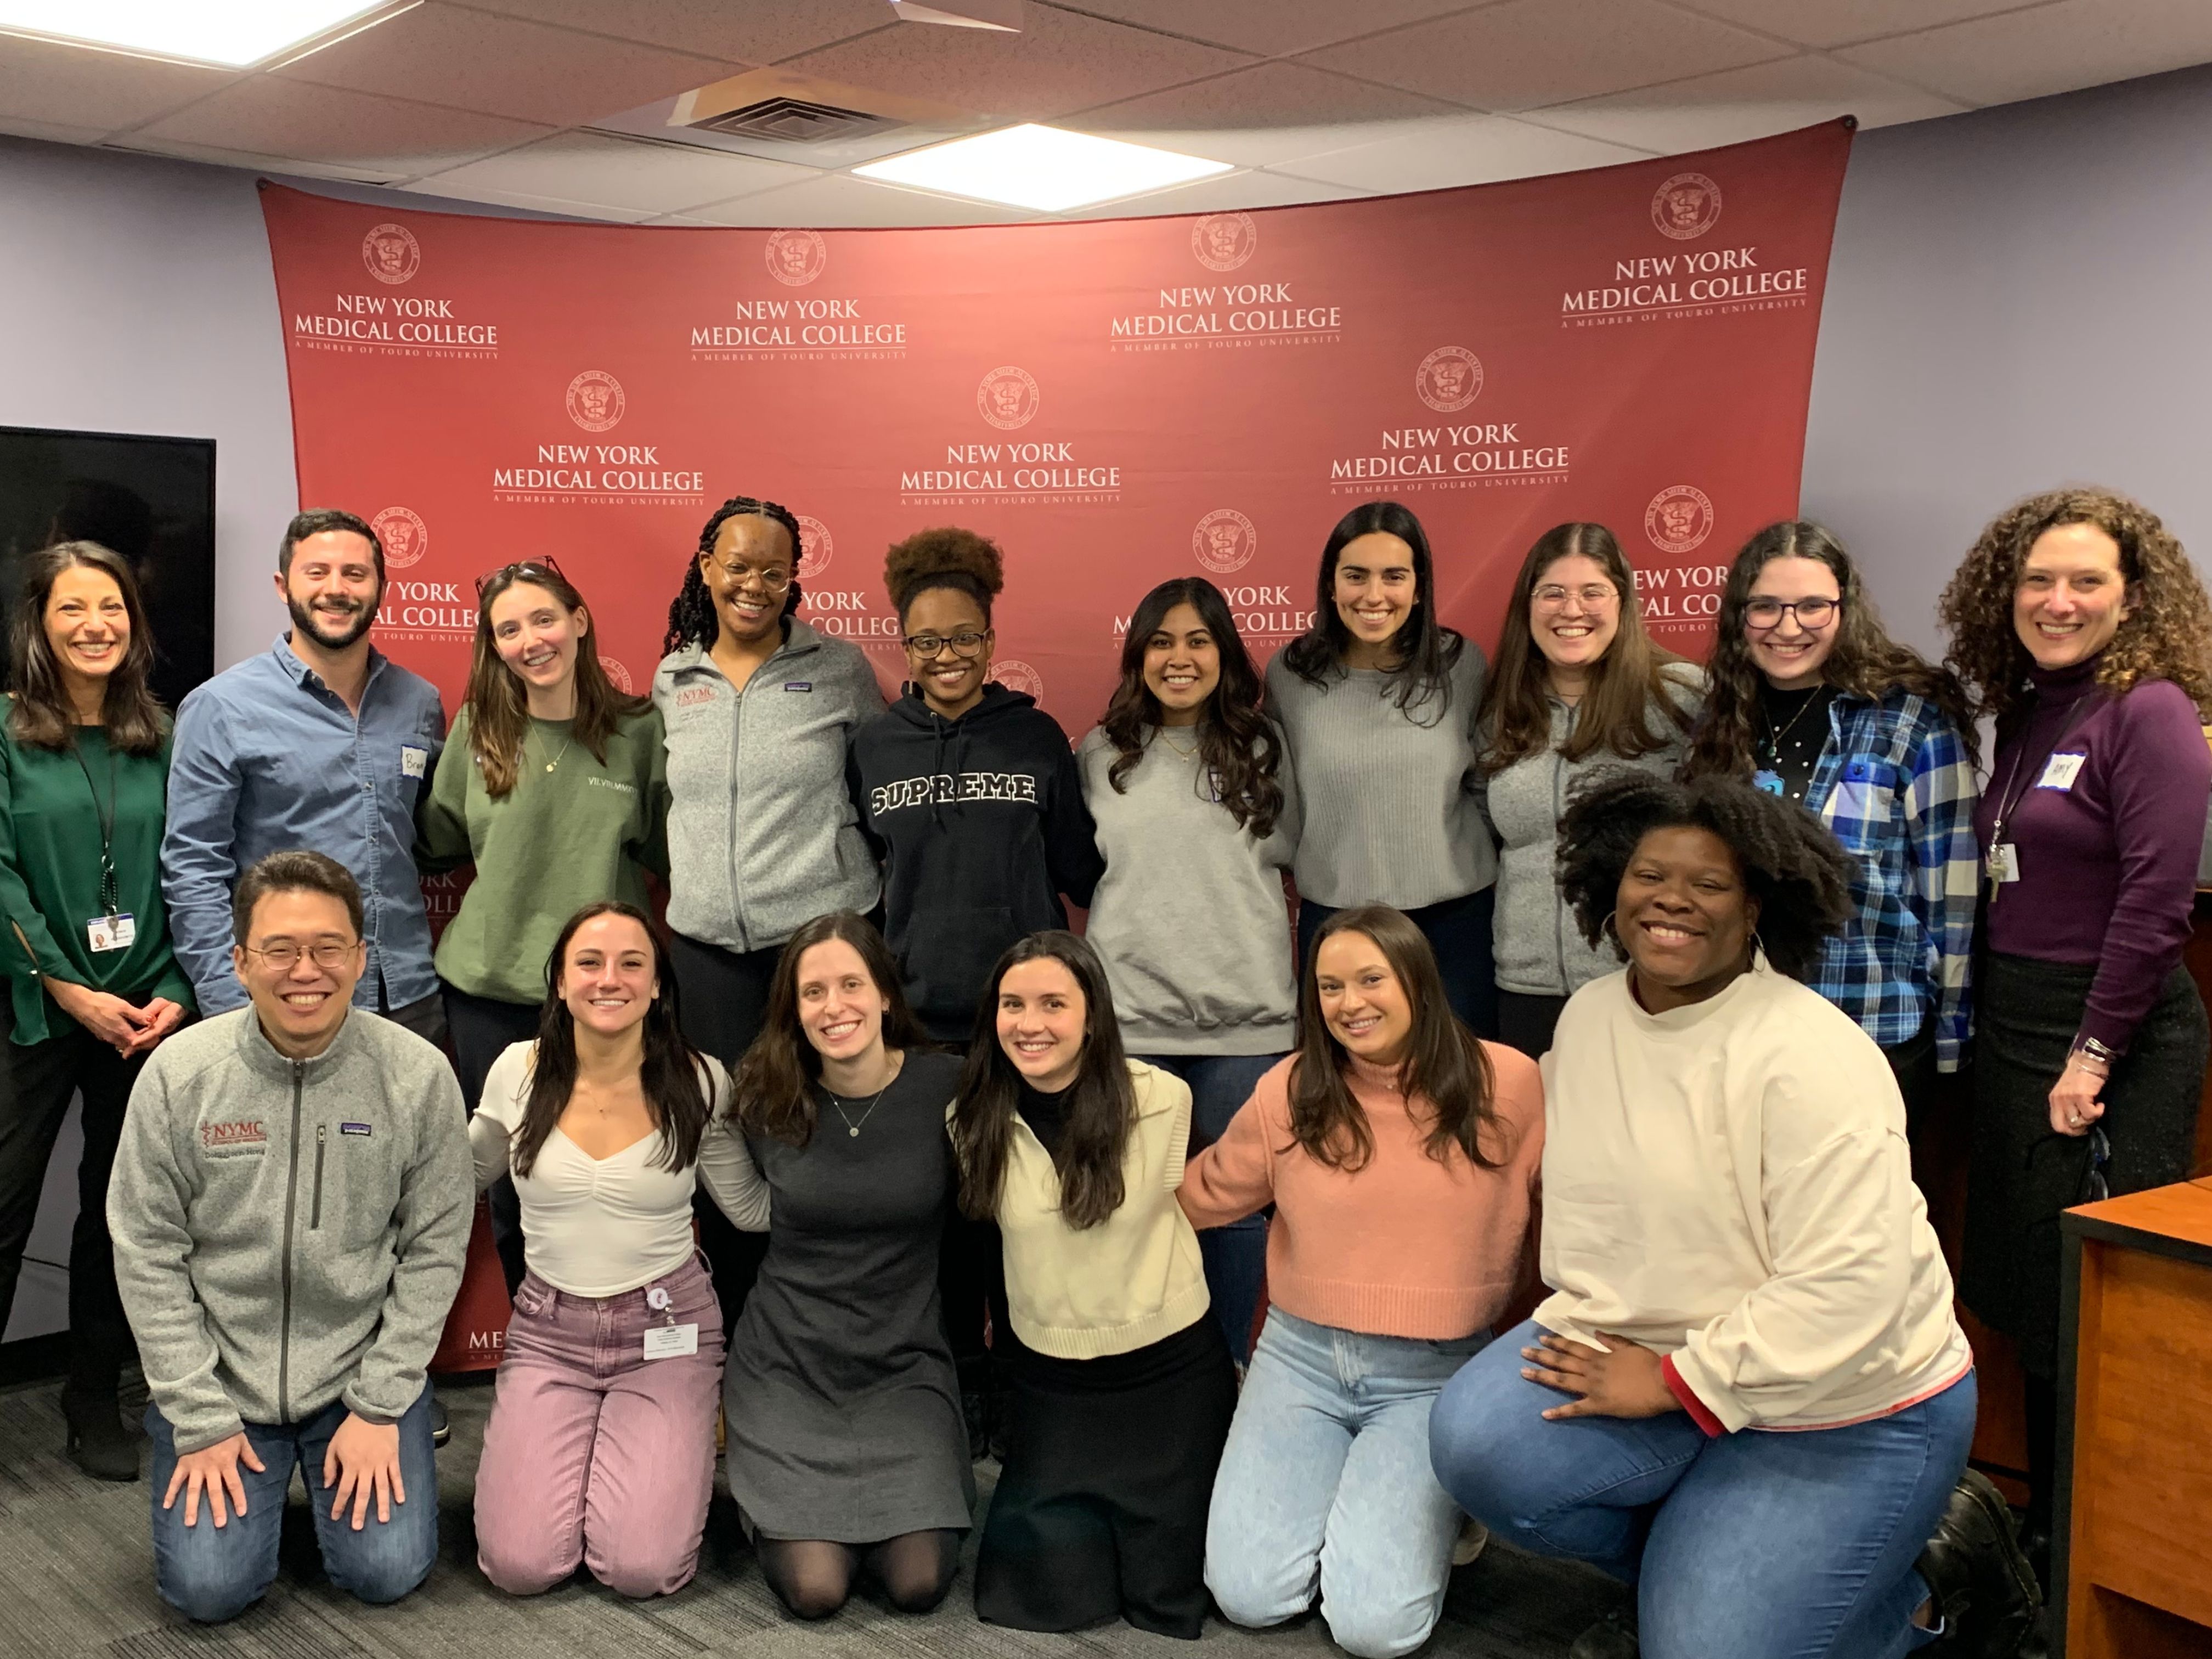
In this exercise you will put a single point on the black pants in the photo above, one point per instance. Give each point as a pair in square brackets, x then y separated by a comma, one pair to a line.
[1526, 1022]
[482, 1029]
[41, 1079]
[1912, 1063]
[722, 1002]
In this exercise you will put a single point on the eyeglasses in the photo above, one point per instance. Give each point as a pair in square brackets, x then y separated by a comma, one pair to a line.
[772, 580]
[1812, 615]
[521, 569]
[2095, 1188]
[966, 643]
[1595, 597]
[326, 954]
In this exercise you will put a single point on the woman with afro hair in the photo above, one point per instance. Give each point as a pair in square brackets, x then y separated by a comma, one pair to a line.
[2082, 630]
[1734, 1245]
[759, 709]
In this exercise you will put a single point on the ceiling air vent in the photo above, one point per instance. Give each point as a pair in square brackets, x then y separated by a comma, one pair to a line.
[794, 121]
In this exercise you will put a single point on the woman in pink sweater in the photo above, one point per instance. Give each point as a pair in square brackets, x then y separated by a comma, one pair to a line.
[1400, 1154]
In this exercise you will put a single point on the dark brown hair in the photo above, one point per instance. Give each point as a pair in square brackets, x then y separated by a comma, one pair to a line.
[1426, 650]
[671, 1074]
[1864, 660]
[499, 709]
[1238, 746]
[948, 557]
[317, 519]
[774, 1092]
[291, 872]
[1627, 684]
[1444, 1066]
[44, 717]
[2167, 635]
[1102, 1102]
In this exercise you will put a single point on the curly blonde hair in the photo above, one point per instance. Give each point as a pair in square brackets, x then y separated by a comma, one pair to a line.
[2166, 634]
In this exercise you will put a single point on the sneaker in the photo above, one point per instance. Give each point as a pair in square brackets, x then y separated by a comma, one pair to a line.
[1613, 1637]
[1473, 1538]
[1984, 1590]
[441, 1428]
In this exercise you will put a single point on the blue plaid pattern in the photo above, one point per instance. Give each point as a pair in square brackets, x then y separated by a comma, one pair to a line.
[1895, 785]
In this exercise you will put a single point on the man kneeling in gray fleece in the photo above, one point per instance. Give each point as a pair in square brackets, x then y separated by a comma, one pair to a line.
[291, 1207]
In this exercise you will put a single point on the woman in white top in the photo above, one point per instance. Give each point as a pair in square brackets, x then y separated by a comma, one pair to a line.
[1735, 1247]
[600, 1451]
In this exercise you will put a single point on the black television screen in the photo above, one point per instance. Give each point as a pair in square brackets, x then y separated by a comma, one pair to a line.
[150, 499]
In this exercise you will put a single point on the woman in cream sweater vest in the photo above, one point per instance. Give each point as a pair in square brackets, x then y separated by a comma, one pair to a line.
[1122, 1387]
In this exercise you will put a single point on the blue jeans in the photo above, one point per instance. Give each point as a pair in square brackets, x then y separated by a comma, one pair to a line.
[1459, 931]
[1325, 1486]
[1235, 1256]
[1753, 1545]
[212, 1573]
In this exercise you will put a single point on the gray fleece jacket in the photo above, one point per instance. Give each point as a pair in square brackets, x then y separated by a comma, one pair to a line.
[290, 1232]
[762, 836]
[1539, 948]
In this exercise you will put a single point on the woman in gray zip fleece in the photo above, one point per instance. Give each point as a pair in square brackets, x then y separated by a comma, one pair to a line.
[290, 1208]
[762, 836]
[1579, 689]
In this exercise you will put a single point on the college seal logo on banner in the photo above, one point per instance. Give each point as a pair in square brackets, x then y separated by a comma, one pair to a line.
[1449, 377]
[1686, 206]
[1017, 676]
[1224, 541]
[1680, 518]
[1223, 241]
[391, 253]
[796, 257]
[595, 400]
[404, 536]
[814, 547]
[617, 675]
[1008, 398]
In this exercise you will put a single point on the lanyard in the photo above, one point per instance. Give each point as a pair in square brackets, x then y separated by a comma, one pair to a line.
[110, 896]
[2009, 797]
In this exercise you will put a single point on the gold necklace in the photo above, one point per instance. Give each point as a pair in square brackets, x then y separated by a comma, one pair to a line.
[563, 755]
[1187, 754]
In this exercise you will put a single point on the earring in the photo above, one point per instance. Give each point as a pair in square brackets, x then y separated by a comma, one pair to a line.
[1607, 929]
[1757, 945]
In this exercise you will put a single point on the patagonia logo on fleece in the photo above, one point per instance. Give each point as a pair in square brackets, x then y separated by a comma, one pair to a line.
[799, 685]
[224, 1137]
[354, 1129]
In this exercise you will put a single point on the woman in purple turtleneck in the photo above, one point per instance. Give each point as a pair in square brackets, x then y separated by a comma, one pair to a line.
[2079, 626]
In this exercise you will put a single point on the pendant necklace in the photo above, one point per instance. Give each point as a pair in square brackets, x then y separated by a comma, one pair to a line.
[851, 1128]
[1190, 753]
[563, 755]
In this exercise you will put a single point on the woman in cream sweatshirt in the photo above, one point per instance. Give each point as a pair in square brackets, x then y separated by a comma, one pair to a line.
[1121, 1384]
[1400, 1154]
[1746, 1395]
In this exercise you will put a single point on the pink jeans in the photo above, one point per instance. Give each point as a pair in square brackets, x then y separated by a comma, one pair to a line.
[594, 1453]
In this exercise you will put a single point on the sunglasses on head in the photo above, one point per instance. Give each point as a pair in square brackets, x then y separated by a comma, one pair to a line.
[521, 569]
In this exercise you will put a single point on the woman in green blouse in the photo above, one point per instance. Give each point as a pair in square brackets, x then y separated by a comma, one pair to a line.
[84, 765]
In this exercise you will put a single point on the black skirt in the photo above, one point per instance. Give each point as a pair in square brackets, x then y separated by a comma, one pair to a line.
[2023, 1172]
[1101, 1508]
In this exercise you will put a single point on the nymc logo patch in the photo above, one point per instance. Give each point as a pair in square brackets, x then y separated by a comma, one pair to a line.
[224, 1137]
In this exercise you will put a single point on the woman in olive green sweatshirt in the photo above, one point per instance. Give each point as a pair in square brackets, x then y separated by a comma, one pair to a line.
[556, 786]
[84, 764]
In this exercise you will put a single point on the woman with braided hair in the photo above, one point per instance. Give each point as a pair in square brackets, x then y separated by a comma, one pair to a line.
[1748, 1394]
[761, 838]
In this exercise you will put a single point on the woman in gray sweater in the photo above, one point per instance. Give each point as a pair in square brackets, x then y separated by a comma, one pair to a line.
[1377, 699]
[1579, 689]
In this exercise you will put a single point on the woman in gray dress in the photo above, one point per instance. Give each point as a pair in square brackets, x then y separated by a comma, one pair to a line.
[847, 1448]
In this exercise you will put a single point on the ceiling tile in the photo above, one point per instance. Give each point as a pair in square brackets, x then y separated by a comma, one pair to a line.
[838, 201]
[2053, 48]
[252, 160]
[1527, 53]
[608, 171]
[472, 60]
[1268, 113]
[383, 137]
[1736, 105]
[1838, 22]
[53, 132]
[1273, 25]
[1060, 63]
[1474, 149]
[552, 204]
[1223, 194]
[756, 34]
[71, 86]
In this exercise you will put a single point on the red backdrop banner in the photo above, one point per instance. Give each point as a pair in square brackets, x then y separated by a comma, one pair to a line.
[1115, 402]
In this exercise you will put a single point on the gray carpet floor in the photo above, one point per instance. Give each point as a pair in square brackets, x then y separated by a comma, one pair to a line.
[76, 1582]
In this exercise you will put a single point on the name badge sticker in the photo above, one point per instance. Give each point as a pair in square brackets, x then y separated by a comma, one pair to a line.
[111, 933]
[2060, 771]
[413, 760]
[671, 1341]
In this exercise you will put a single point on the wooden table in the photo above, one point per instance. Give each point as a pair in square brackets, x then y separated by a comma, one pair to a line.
[2132, 1555]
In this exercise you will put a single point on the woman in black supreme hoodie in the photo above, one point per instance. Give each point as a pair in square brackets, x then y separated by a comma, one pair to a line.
[969, 795]
[968, 791]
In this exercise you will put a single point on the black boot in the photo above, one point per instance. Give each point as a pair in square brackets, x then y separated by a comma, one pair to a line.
[98, 1443]
[1984, 1589]
[1613, 1637]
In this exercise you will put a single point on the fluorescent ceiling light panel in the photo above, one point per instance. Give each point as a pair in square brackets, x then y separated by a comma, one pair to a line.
[230, 32]
[1042, 168]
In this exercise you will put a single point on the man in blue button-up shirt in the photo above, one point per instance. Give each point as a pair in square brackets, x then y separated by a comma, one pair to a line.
[319, 743]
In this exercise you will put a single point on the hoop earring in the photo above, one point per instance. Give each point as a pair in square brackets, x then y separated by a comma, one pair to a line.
[1758, 947]
[1608, 929]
